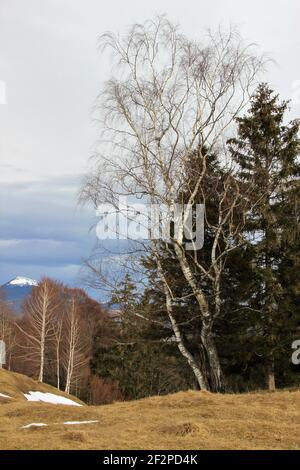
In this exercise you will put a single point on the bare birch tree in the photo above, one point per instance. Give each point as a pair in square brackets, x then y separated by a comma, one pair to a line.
[75, 356]
[57, 332]
[169, 98]
[37, 329]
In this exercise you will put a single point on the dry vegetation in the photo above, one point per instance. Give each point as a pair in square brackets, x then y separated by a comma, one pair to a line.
[186, 420]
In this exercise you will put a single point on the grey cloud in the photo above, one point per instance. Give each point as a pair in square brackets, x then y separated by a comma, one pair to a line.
[44, 210]
[41, 225]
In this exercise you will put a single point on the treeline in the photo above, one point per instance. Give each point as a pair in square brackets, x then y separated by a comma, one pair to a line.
[52, 340]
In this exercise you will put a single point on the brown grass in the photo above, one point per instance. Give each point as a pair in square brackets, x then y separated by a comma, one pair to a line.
[186, 420]
[15, 385]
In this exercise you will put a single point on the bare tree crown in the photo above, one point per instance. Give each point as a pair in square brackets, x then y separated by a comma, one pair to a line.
[168, 96]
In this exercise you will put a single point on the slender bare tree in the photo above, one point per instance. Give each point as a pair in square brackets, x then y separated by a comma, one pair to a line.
[169, 98]
[37, 328]
[58, 330]
[75, 357]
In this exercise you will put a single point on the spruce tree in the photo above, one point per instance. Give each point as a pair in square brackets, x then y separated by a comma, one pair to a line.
[267, 153]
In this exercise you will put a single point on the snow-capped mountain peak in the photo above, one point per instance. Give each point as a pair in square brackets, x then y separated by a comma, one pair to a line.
[15, 291]
[22, 281]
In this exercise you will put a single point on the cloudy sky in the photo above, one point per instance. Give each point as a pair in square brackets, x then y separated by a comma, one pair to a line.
[51, 72]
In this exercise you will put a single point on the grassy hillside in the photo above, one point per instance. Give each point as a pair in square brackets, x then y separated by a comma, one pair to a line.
[15, 385]
[186, 420]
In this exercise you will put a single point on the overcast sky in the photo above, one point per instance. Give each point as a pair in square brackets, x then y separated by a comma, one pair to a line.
[52, 73]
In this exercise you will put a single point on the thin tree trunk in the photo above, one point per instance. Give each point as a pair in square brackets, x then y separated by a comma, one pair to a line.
[269, 286]
[69, 369]
[41, 372]
[43, 334]
[270, 361]
[270, 374]
[73, 338]
[216, 377]
[57, 368]
[200, 377]
[58, 334]
[207, 340]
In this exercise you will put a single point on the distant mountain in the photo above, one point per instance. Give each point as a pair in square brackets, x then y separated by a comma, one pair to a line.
[16, 290]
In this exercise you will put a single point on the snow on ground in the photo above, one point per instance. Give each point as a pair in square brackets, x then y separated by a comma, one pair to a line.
[34, 425]
[2, 395]
[49, 398]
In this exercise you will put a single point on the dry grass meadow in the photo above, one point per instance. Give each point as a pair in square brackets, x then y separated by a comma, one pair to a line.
[186, 420]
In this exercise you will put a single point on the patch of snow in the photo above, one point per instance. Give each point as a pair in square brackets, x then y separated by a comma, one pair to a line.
[39, 425]
[34, 425]
[2, 395]
[50, 398]
[81, 422]
[29, 397]
[22, 281]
